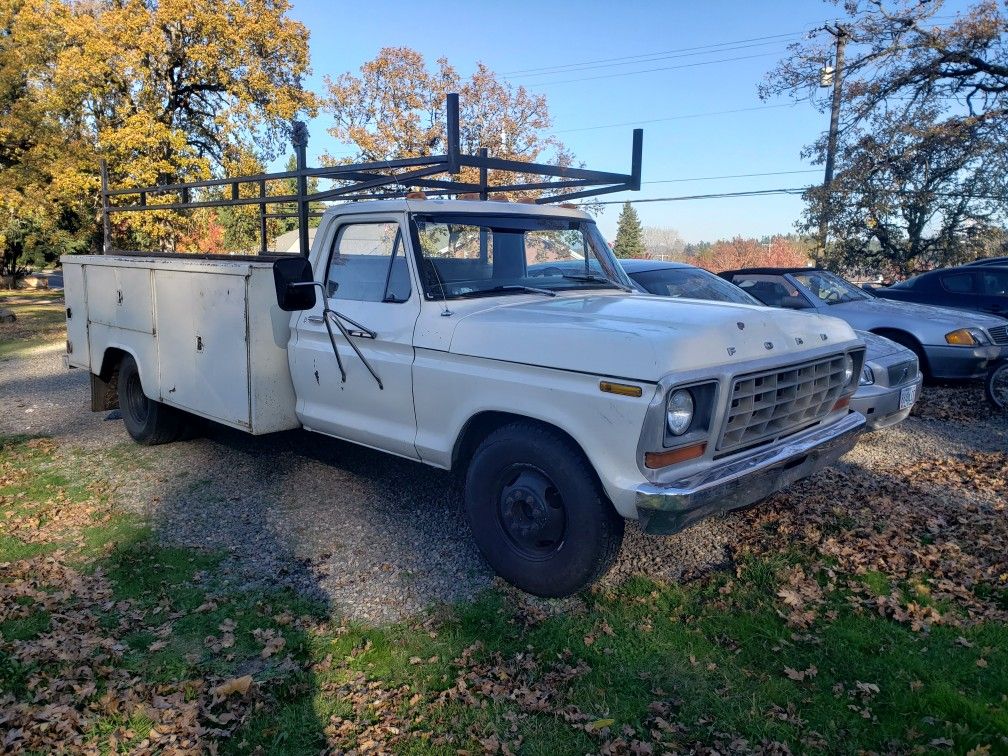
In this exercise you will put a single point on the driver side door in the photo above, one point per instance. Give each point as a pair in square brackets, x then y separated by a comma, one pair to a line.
[368, 279]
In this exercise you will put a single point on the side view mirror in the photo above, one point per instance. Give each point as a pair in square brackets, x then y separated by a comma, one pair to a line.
[295, 283]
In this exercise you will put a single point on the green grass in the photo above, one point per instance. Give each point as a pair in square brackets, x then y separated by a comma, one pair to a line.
[709, 657]
[40, 320]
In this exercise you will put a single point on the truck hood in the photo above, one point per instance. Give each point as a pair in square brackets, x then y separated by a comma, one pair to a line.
[638, 337]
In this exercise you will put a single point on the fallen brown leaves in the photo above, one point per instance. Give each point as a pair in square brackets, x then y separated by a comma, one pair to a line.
[75, 684]
[935, 531]
[955, 404]
[58, 519]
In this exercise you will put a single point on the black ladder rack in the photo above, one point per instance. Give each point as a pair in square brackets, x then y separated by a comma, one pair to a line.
[399, 176]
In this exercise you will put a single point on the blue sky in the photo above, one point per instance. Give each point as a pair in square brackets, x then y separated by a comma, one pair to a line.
[519, 35]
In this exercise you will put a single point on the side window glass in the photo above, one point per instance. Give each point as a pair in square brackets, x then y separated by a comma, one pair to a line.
[958, 283]
[770, 290]
[368, 264]
[995, 283]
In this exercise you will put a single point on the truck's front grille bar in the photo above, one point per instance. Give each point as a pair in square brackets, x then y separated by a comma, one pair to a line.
[775, 403]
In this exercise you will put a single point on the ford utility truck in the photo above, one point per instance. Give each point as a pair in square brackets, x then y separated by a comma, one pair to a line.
[497, 339]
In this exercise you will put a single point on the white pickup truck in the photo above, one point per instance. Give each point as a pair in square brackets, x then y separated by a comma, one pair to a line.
[496, 339]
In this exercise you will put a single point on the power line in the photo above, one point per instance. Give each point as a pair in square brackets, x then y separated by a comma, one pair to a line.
[731, 176]
[675, 117]
[561, 67]
[649, 59]
[719, 196]
[652, 70]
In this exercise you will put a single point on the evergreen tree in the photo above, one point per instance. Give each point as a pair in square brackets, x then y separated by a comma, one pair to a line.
[629, 241]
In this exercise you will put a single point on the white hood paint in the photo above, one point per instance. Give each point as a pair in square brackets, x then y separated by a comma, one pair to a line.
[632, 336]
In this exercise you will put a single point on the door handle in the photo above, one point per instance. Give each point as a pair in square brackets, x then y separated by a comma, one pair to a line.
[320, 320]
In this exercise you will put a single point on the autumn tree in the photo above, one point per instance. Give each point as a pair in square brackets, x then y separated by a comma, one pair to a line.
[662, 242]
[396, 108]
[164, 90]
[923, 138]
[42, 165]
[629, 241]
[743, 252]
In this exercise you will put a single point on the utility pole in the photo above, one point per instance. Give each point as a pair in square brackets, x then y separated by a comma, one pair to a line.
[834, 77]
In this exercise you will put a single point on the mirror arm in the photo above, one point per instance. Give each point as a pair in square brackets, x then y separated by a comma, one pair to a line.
[325, 312]
[337, 318]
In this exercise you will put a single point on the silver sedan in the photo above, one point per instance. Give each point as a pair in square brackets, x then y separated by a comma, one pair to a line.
[949, 344]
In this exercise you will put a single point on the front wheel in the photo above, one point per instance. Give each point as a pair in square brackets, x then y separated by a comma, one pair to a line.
[149, 422]
[996, 385]
[538, 513]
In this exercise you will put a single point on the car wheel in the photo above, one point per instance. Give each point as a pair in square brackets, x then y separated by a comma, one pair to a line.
[996, 385]
[538, 512]
[147, 421]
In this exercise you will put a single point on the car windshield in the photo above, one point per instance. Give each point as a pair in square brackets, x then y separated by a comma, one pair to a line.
[830, 288]
[691, 283]
[465, 255]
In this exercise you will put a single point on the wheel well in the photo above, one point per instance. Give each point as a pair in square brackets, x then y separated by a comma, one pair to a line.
[909, 341]
[110, 363]
[482, 424]
[105, 384]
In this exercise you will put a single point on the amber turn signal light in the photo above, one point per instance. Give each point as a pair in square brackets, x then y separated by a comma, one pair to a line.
[843, 401]
[654, 460]
[623, 389]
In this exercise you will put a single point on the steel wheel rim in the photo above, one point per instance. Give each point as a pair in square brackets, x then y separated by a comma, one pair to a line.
[531, 512]
[137, 405]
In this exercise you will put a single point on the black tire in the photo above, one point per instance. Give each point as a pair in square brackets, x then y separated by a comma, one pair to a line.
[147, 421]
[996, 385]
[538, 512]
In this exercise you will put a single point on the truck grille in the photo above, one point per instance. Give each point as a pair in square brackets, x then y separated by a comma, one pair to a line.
[902, 372]
[999, 334]
[778, 402]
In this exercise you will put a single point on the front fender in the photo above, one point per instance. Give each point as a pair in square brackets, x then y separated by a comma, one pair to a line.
[451, 389]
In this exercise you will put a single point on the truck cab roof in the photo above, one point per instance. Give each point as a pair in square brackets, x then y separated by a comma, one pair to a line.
[484, 207]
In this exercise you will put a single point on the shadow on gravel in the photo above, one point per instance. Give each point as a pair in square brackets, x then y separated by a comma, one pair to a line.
[378, 537]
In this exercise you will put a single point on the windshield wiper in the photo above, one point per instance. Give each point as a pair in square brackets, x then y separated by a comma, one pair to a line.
[519, 287]
[590, 277]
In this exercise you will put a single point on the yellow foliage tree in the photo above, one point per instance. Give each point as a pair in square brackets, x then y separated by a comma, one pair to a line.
[396, 108]
[42, 165]
[164, 90]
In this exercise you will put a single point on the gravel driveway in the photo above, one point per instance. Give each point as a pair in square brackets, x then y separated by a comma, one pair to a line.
[376, 537]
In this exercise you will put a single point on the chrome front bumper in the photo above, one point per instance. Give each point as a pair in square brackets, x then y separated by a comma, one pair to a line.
[669, 507]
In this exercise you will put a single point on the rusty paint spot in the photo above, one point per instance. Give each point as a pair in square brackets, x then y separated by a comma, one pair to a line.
[317, 378]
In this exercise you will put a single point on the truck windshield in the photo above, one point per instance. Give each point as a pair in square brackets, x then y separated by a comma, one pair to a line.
[489, 255]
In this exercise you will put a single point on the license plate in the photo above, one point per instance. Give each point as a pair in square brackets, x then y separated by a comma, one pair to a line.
[907, 396]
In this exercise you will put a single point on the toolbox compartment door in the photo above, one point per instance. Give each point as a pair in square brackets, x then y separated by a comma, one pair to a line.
[203, 344]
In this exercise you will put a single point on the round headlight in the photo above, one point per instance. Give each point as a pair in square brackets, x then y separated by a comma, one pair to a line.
[679, 411]
[848, 369]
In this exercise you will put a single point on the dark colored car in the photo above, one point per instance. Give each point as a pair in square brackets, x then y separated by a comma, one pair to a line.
[982, 288]
[989, 261]
[949, 343]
